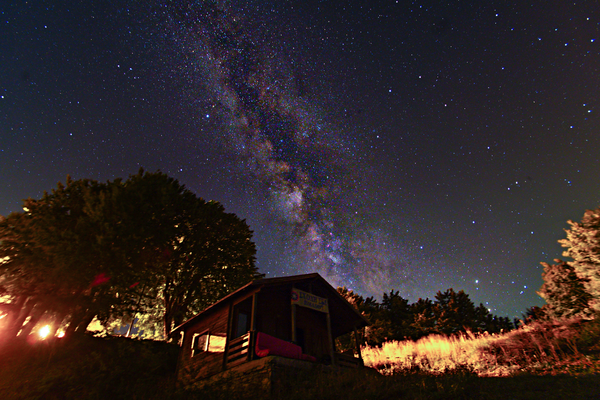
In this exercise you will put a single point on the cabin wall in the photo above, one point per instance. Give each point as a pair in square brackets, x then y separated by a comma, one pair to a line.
[206, 363]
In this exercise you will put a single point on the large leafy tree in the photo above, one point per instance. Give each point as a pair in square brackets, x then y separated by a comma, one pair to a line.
[48, 258]
[144, 246]
[583, 246]
[205, 252]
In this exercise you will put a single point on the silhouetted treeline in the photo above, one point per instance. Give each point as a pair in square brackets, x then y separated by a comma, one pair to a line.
[395, 319]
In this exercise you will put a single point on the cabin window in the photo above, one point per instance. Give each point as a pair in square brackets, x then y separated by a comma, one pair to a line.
[208, 343]
[199, 343]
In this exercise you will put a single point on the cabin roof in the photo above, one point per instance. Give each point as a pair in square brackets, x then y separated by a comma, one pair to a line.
[344, 317]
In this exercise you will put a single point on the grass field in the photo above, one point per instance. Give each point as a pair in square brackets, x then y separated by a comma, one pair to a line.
[569, 346]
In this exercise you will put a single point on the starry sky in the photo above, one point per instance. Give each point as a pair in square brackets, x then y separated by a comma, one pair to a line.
[406, 145]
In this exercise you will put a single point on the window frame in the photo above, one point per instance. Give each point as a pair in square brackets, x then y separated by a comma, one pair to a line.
[195, 341]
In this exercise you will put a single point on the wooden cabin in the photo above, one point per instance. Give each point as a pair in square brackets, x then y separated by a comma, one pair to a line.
[293, 319]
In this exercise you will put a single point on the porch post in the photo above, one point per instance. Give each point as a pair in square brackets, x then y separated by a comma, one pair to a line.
[357, 344]
[252, 337]
[229, 334]
[294, 323]
[331, 342]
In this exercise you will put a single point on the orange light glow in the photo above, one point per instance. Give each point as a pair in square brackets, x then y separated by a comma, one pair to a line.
[44, 332]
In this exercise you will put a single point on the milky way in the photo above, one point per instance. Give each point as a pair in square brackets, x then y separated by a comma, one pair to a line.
[288, 145]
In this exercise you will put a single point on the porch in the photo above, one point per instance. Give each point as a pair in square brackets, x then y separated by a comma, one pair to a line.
[254, 345]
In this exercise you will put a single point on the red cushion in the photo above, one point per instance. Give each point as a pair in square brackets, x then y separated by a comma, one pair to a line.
[269, 345]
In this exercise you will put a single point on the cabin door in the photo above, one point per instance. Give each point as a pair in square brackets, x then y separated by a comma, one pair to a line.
[242, 315]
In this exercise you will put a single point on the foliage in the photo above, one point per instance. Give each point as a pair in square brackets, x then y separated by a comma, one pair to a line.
[146, 246]
[534, 313]
[572, 288]
[583, 246]
[454, 311]
[51, 262]
[564, 291]
[394, 319]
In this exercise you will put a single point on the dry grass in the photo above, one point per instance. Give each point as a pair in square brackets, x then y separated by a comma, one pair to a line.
[548, 347]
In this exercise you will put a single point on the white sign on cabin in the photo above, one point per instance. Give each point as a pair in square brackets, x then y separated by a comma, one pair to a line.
[308, 300]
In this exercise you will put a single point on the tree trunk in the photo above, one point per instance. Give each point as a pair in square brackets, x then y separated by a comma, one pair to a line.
[13, 310]
[21, 315]
[36, 315]
[58, 319]
[167, 326]
[85, 322]
[167, 318]
[76, 319]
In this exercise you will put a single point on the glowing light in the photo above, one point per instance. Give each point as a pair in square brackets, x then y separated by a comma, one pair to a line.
[44, 332]
[60, 334]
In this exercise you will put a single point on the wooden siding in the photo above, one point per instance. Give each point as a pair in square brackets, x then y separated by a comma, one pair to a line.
[203, 364]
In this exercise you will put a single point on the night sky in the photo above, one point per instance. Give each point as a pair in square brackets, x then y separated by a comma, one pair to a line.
[406, 145]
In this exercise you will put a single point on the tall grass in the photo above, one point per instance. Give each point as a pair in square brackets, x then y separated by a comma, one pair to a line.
[544, 347]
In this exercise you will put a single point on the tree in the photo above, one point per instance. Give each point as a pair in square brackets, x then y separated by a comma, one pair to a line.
[208, 254]
[583, 246]
[485, 321]
[397, 311]
[373, 335]
[534, 313]
[564, 291]
[119, 249]
[423, 319]
[47, 256]
[454, 311]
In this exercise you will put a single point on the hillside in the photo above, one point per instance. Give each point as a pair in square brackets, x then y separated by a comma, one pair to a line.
[87, 367]
[119, 368]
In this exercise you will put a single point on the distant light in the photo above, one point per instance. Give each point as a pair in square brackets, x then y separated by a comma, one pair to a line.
[44, 332]
[61, 334]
